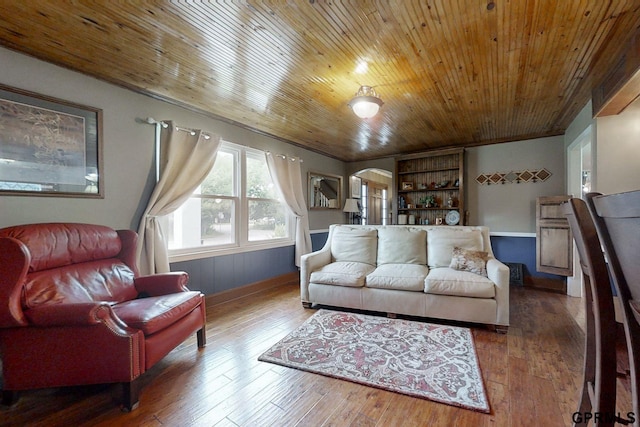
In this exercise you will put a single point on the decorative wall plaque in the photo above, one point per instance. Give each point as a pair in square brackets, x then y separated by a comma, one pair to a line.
[512, 177]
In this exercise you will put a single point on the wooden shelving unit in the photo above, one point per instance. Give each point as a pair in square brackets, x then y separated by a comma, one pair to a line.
[439, 174]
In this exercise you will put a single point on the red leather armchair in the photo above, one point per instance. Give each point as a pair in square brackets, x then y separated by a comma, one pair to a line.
[74, 311]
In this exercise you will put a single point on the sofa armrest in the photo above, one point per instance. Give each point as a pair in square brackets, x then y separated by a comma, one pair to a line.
[162, 284]
[498, 273]
[77, 314]
[308, 264]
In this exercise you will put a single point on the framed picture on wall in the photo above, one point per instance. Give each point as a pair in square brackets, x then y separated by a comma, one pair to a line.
[356, 187]
[48, 146]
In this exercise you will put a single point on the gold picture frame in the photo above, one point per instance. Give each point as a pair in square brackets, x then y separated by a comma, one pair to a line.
[407, 186]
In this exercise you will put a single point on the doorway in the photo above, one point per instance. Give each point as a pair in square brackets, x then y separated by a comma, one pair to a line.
[374, 203]
[375, 196]
[580, 176]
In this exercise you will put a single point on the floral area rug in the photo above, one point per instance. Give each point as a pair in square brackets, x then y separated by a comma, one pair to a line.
[419, 359]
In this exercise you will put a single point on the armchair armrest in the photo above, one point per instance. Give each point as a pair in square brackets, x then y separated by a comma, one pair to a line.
[162, 284]
[78, 314]
[498, 273]
[14, 264]
[308, 264]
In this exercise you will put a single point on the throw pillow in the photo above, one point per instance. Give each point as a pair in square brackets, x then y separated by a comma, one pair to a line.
[471, 261]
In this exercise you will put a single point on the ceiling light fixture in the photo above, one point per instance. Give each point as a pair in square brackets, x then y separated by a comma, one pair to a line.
[366, 103]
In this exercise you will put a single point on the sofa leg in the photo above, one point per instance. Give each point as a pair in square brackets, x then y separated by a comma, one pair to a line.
[130, 395]
[9, 397]
[501, 329]
[202, 337]
[392, 315]
[306, 304]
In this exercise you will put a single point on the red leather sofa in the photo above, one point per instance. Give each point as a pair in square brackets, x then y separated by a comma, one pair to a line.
[74, 311]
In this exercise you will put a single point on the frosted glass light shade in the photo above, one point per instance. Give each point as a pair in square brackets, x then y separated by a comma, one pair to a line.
[366, 103]
[365, 109]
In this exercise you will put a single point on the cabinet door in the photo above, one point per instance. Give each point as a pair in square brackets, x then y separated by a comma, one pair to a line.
[554, 241]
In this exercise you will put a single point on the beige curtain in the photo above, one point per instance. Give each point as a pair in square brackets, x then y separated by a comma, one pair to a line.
[186, 158]
[287, 175]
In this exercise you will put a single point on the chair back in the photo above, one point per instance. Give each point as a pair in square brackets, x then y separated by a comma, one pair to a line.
[599, 384]
[617, 219]
[58, 263]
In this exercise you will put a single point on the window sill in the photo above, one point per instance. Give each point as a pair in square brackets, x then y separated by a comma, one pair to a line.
[210, 252]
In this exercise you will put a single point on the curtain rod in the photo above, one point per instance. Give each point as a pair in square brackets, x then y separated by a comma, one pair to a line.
[292, 158]
[164, 125]
[152, 121]
[156, 141]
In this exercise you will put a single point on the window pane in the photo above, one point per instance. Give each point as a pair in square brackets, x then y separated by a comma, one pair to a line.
[201, 222]
[267, 220]
[220, 181]
[217, 222]
[259, 184]
[364, 206]
[385, 213]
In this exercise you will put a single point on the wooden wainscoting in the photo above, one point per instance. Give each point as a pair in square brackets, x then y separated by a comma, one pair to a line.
[252, 288]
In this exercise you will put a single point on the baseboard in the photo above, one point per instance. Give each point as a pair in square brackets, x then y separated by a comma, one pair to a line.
[252, 288]
[547, 284]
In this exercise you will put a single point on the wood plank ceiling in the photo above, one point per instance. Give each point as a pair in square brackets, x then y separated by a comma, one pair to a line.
[450, 73]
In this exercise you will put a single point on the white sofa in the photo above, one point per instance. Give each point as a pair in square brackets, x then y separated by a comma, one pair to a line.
[408, 269]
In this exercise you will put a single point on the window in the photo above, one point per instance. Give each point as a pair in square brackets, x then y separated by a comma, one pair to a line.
[364, 220]
[236, 208]
[267, 213]
[385, 207]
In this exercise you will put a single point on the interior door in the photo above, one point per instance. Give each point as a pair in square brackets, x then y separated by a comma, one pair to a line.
[580, 176]
[376, 207]
[374, 203]
[554, 241]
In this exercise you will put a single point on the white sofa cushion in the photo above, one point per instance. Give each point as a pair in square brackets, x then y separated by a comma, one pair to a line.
[404, 277]
[345, 273]
[447, 281]
[354, 244]
[442, 240]
[402, 245]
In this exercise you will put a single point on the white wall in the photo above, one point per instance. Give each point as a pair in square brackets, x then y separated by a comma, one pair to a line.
[615, 159]
[618, 151]
[511, 207]
[127, 147]
[579, 124]
[617, 148]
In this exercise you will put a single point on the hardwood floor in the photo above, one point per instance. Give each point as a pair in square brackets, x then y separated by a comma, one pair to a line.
[532, 375]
